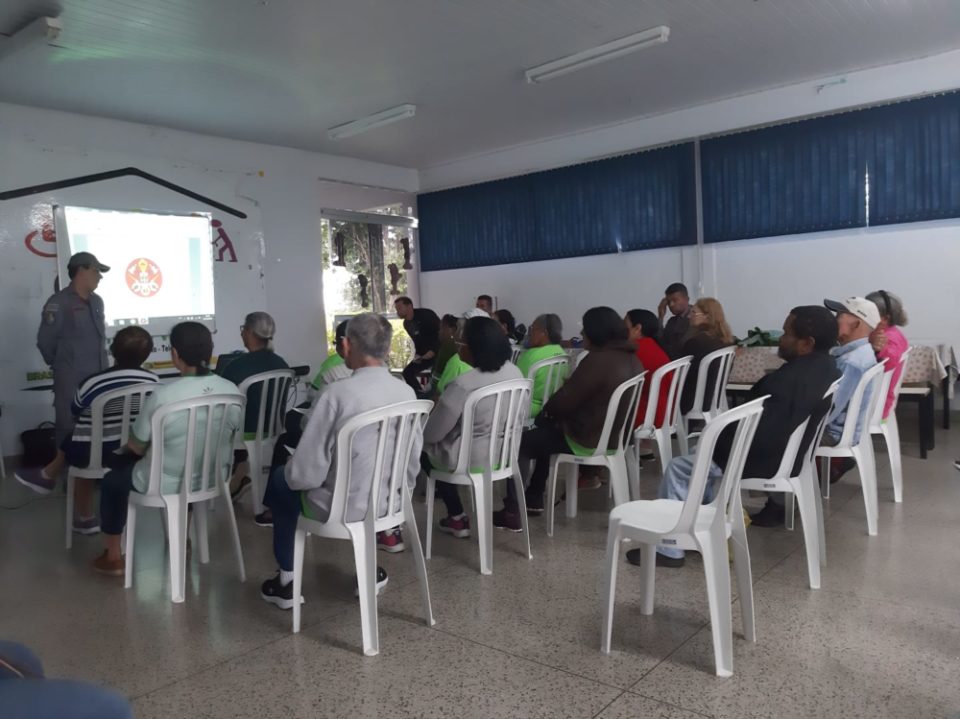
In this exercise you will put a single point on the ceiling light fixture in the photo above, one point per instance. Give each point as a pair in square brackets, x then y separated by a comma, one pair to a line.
[378, 119]
[601, 53]
[42, 30]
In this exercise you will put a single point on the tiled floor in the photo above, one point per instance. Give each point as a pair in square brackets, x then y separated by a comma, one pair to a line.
[880, 639]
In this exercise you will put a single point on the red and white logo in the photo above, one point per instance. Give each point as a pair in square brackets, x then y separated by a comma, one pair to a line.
[144, 277]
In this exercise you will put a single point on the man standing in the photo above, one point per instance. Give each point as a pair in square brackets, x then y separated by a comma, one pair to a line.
[72, 337]
[485, 303]
[423, 326]
[677, 299]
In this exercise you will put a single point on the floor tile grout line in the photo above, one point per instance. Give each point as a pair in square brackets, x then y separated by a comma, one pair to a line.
[670, 704]
[608, 705]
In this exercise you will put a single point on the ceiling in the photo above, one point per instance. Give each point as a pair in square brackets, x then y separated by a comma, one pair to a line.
[283, 71]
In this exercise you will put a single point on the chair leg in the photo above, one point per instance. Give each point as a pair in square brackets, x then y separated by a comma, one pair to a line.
[682, 440]
[200, 530]
[257, 487]
[609, 585]
[484, 501]
[552, 493]
[648, 577]
[365, 556]
[789, 510]
[632, 460]
[665, 447]
[717, 570]
[863, 454]
[431, 498]
[131, 533]
[419, 564]
[177, 537]
[71, 488]
[825, 477]
[234, 533]
[891, 433]
[744, 574]
[618, 479]
[299, 540]
[572, 476]
[522, 505]
[811, 530]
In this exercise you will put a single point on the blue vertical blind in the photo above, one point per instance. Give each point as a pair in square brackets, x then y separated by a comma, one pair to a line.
[913, 157]
[633, 202]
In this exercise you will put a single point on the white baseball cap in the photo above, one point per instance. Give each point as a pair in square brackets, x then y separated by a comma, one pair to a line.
[859, 307]
[475, 312]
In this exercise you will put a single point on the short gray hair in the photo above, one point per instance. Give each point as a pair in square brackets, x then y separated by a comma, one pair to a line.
[262, 326]
[552, 325]
[370, 335]
[890, 307]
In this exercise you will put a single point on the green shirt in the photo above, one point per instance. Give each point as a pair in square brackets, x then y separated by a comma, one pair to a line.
[455, 367]
[529, 358]
[333, 361]
[448, 348]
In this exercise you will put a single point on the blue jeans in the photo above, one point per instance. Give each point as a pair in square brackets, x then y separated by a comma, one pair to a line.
[676, 485]
[286, 507]
[32, 696]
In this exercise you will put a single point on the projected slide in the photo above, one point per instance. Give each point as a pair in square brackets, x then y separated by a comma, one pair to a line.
[161, 266]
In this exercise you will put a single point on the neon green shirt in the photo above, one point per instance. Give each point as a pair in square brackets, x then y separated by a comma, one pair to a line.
[529, 358]
[332, 361]
[455, 367]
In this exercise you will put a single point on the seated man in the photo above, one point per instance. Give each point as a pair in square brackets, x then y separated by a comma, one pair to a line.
[191, 348]
[856, 319]
[306, 483]
[130, 348]
[423, 326]
[333, 369]
[796, 392]
[572, 421]
[677, 300]
[485, 304]
[544, 342]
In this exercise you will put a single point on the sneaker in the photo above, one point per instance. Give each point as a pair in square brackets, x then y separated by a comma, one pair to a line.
[633, 556]
[381, 582]
[90, 525]
[589, 482]
[278, 594]
[390, 541]
[111, 567]
[505, 519]
[264, 519]
[459, 528]
[839, 466]
[772, 515]
[647, 455]
[242, 486]
[35, 479]
[534, 506]
[956, 464]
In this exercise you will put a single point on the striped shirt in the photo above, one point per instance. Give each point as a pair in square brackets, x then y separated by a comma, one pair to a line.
[96, 385]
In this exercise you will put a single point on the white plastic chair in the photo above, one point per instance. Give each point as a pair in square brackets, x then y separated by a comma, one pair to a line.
[889, 428]
[692, 525]
[862, 451]
[511, 403]
[648, 429]
[274, 387]
[623, 406]
[555, 370]
[206, 471]
[131, 399]
[516, 351]
[395, 429]
[718, 363]
[803, 486]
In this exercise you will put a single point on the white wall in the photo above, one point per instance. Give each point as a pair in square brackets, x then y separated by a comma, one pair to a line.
[278, 246]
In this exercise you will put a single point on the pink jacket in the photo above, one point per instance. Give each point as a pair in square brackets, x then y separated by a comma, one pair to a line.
[896, 345]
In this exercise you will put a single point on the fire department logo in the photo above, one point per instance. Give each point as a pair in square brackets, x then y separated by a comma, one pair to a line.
[144, 277]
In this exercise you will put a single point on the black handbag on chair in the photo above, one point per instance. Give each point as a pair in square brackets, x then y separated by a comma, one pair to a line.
[39, 445]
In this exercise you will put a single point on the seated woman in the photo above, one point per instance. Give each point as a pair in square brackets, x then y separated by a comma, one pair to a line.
[571, 422]
[485, 348]
[191, 347]
[544, 340]
[455, 364]
[708, 333]
[257, 335]
[130, 349]
[643, 329]
[888, 341]
[449, 327]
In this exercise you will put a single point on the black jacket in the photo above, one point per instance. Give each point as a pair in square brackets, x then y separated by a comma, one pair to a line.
[699, 345]
[796, 392]
[424, 330]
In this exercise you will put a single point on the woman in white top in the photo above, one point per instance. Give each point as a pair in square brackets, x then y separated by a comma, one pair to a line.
[485, 347]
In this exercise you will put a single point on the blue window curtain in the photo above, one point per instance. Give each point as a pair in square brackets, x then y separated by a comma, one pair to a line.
[801, 177]
[913, 155]
[633, 202]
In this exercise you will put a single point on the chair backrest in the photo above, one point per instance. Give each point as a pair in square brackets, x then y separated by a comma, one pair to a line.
[210, 458]
[515, 353]
[554, 369]
[877, 417]
[872, 378]
[673, 389]
[718, 364]
[511, 404]
[273, 388]
[621, 408]
[810, 455]
[744, 419]
[127, 400]
[395, 431]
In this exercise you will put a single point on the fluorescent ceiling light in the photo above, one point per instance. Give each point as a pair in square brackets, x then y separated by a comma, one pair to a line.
[378, 119]
[42, 30]
[601, 53]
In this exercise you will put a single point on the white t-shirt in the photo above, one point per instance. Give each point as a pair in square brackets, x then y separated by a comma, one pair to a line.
[175, 430]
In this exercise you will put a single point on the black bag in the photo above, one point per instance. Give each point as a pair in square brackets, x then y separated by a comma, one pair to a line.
[39, 445]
